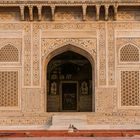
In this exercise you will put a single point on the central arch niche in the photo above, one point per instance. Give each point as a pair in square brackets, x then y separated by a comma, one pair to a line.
[69, 83]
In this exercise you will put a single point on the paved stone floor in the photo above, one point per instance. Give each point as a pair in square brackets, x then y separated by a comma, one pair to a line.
[74, 138]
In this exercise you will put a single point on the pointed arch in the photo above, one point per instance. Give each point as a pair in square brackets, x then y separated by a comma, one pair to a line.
[9, 53]
[59, 50]
[129, 53]
[70, 47]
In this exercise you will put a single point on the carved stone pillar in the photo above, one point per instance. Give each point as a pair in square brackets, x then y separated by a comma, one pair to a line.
[115, 11]
[53, 11]
[84, 8]
[97, 12]
[106, 11]
[22, 12]
[31, 12]
[39, 12]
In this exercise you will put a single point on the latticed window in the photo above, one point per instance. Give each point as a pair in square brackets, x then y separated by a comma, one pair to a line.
[8, 88]
[129, 53]
[9, 53]
[130, 88]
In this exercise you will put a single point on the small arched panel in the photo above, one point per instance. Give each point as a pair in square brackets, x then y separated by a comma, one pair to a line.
[9, 53]
[129, 53]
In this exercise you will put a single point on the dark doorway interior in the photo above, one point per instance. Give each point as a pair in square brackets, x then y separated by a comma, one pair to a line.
[69, 96]
[69, 83]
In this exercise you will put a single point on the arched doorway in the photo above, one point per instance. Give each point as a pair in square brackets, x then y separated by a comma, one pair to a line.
[69, 83]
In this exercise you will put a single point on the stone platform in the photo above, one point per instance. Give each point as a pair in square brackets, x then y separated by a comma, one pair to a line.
[62, 122]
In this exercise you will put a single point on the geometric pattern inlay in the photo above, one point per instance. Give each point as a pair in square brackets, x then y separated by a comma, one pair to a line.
[8, 88]
[36, 56]
[9, 53]
[129, 53]
[111, 54]
[102, 54]
[23, 43]
[130, 88]
[27, 55]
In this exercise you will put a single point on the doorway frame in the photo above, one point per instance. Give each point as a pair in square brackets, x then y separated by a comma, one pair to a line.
[77, 48]
[61, 104]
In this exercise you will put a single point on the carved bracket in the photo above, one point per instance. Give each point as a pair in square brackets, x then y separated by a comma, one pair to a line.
[39, 12]
[84, 8]
[115, 11]
[97, 12]
[53, 12]
[31, 12]
[22, 12]
[53, 7]
[106, 11]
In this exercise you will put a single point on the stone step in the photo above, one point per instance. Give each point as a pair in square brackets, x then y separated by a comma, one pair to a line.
[66, 120]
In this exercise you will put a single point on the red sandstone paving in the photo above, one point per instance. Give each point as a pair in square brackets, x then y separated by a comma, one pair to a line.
[64, 135]
[74, 138]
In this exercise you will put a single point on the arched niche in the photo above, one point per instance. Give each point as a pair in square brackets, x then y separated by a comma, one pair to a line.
[64, 49]
[9, 53]
[129, 53]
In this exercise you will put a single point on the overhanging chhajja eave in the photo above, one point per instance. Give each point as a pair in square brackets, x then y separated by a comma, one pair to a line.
[74, 3]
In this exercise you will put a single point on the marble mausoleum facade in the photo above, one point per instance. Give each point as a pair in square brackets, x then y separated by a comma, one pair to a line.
[70, 58]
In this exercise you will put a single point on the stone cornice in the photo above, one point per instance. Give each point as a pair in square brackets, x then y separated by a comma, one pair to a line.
[69, 2]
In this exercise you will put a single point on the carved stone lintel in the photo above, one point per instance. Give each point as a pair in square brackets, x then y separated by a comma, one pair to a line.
[84, 8]
[106, 11]
[31, 12]
[97, 12]
[53, 11]
[39, 12]
[115, 11]
[22, 12]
